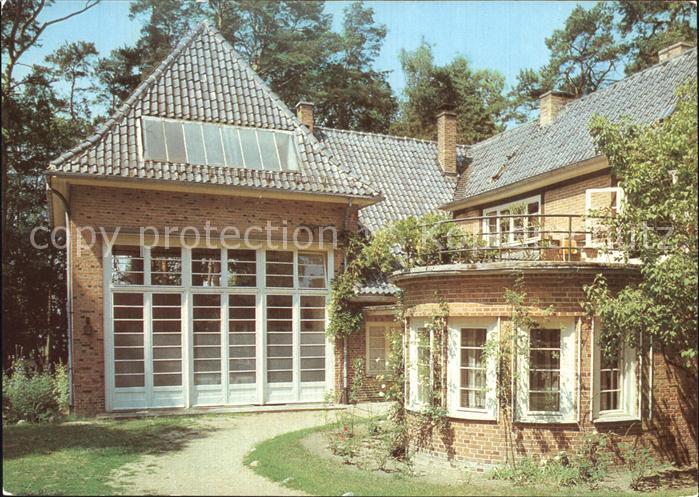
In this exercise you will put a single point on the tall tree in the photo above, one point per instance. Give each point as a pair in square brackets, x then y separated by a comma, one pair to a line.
[350, 94]
[651, 26]
[584, 57]
[30, 138]
[658, 226]
[475, 95]
[289, 44]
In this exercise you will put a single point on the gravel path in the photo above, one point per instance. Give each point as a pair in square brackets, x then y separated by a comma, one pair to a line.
[212, 464]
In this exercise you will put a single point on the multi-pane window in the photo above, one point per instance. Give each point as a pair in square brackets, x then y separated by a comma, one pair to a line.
[218, 145]
[165, 266]
[242, 268]
[127, 266]
[503, 224]
[280, 269]
[167, 339]
[610, 384]
[206, 267]
[472, 368]
[241, 339]
[206, 327]
[423, 359]
[311, 270]
[377, 349]
[312, 338]
[545, 370]
[280, 338]
[129, 359]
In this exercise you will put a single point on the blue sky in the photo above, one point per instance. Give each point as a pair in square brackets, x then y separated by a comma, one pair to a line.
[506, 36]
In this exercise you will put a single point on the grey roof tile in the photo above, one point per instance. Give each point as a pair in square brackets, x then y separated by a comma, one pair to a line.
[405, 170]
[529, 150]
[183, 86]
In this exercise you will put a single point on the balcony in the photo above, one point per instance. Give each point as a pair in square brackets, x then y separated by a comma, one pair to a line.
[557, 238]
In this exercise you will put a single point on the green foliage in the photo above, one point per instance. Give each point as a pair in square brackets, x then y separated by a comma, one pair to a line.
[476, 96]
[588, 51]
[639, 461]
[357, 379]
[34, 395]
[588, 466]
[658, 226]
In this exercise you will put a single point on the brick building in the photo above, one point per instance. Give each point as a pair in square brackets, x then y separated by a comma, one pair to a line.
[206, 221]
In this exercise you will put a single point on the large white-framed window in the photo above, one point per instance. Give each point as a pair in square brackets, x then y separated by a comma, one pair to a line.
[208, 326]
[601, 201]
[377, 347]
[419, 364]
[616, 383]
[471, 372]
[513, 230]
[546, 383]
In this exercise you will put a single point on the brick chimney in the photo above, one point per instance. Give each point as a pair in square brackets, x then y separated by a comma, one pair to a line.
[674, 50]
[304, 111]
[446, 140]
[550, 105]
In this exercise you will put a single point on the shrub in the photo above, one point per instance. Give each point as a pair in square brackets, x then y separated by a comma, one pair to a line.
[33, 395]
[639, 461]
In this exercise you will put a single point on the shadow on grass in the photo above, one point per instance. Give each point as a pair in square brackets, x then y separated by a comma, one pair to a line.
[135, 437]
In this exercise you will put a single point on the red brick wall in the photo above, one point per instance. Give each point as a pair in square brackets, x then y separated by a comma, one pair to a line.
[131, 209]
[669, 429]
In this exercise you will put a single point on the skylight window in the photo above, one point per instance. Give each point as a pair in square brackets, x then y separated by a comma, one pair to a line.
[218, 145]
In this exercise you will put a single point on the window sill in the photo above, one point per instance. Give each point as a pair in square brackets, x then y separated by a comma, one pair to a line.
[616, 418]
[472, 415]
[546, 419]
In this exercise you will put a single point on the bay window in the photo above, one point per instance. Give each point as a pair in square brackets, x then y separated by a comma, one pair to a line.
[615, 382]
[377, 348]
[420, 365]
[471, 372]
[546, 381]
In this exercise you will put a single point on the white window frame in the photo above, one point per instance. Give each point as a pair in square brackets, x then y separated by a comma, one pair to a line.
[567, 412]
[414, 403]
[630, 382]
[142, 397]
[454, 409]
[371, 369]
[496, 212]
[590, 222]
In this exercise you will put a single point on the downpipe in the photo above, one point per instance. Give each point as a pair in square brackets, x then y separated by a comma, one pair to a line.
[69, 292]
[345, 353]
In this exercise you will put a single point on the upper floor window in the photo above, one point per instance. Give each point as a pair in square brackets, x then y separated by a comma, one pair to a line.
[513, 223]
[218, 145]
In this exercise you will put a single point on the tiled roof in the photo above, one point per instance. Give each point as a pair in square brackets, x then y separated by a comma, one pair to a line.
[378, 287]
[205, 80]
[529, 150]
[405, 170]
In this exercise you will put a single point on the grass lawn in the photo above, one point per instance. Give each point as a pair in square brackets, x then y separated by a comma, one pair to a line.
[76, 458]
[285, 458]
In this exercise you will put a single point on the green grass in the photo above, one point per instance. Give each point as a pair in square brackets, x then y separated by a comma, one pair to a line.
[77, 458]
[285, 457]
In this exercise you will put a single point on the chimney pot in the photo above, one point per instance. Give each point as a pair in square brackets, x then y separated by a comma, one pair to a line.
[674, 50]
[304, 112]
[446, 140]
[550, 105]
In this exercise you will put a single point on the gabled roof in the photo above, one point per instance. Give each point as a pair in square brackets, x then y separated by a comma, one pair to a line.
[531, 149]
[405, 170]
[204, 79]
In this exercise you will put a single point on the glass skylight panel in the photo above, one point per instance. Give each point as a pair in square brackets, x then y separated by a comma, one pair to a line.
[195, 143]
[174, 141]
[218, 145]
[231, 147]
[154, 139]
[214, 148]
[251, 152]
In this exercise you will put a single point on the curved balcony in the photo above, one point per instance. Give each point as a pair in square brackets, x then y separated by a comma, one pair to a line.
[535, 238]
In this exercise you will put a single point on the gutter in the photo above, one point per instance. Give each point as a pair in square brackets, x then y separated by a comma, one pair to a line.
[69, 289]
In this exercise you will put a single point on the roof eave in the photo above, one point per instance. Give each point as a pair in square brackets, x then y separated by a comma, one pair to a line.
[585, 166]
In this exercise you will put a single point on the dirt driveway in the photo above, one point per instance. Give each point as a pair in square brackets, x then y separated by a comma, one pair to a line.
[212, 464]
